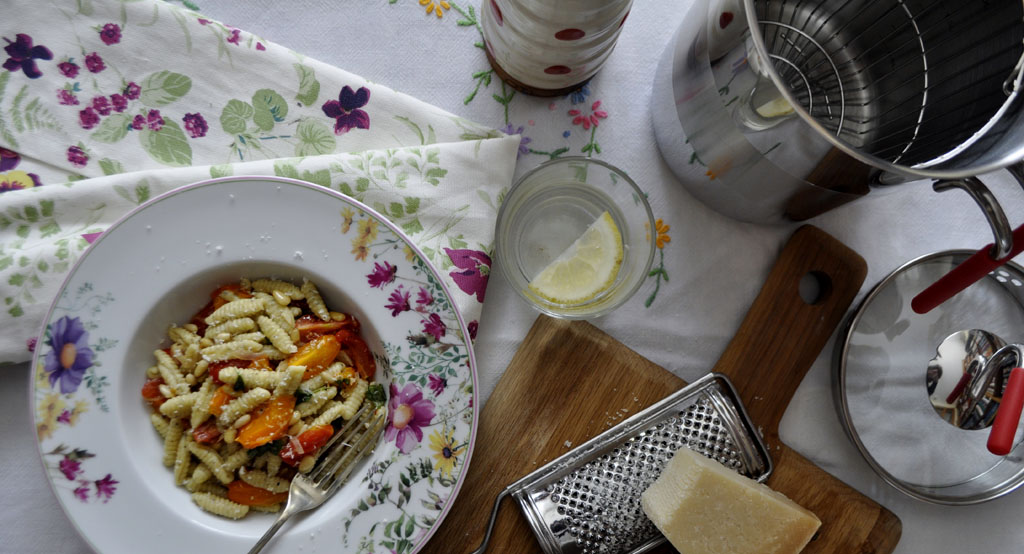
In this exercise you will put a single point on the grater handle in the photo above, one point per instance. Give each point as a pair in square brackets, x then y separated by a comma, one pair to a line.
[490, 523]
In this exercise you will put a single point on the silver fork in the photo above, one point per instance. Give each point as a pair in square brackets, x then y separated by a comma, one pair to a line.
[356, 439]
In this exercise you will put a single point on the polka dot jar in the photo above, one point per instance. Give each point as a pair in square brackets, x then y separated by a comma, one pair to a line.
[550, 47]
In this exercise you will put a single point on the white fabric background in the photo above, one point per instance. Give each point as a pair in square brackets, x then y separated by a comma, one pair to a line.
[716, 265]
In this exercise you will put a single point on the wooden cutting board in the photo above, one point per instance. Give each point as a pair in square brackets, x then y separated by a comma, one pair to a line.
[569, 382]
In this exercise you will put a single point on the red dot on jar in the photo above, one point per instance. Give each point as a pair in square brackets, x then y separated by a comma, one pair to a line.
[497, 12]
[623, 19]
[570, 34]
[557, 70]
[725, 19]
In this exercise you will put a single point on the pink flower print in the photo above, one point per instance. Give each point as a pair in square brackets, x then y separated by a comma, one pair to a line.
[235, 36]
[82, 492]
[260, 47]
[110, 34]
[195, 125]
[345, 110]
[78, 158]
[105, 487]
[398, 301]
[66, 97]
[382, 275]
[408, 412]
[23, 55]
[131, 91]
[30, 344]
[423, 297]
[70, 468]
[579, 118]
[154, 121]
[204, 21]
[472, 327]
[474, 269]
[64, 417]
[436, 384]
[88, 118]
[102, 105]
[94, 63]
[138, 122]
[119, 102]
[435, 327]
[68, 69]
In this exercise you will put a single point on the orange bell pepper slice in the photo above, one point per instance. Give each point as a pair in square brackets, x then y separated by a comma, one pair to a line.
[243, 493]
[316, 355]
[357, 349]
[220, 397]
[270, 424]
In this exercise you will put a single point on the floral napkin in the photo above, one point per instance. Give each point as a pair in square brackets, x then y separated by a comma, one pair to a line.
[106, 104]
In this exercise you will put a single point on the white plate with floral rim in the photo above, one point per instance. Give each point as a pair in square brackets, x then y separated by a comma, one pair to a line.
[157, 266]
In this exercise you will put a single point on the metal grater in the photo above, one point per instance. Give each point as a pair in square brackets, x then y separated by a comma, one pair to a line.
[587, 501]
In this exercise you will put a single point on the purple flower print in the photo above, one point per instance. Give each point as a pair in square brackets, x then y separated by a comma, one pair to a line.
[23, 55]
[110, 34]
[119, 102]
[132, 91]
[88, 118]
[94, 63]
[66, 97]
[235, 36]
[345, 110]
[523, 141]
[105, 487]
[18, 180]
[69, 69]
[472, 327]
[435, 327]
[30, 344]
[398, 301]
[9, 159]
[260, 47]
[154, 121]
[65, 418]
[195, 124]
[69, 354]
[102, 105]
[423, 297]
[70, 468]
[382, 275]
[82, 492]
[475, 268]
[78, 158]
[436, 384]
[138, 122]
[408, 412]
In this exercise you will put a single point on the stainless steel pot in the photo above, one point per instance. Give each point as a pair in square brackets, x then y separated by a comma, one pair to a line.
[794, 107]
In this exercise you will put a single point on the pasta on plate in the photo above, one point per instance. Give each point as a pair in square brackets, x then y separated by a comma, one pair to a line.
[252, 387]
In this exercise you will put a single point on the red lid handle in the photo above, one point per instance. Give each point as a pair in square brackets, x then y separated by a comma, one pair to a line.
[1000, 439]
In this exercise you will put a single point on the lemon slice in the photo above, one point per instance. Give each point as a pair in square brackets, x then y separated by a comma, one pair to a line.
[587, 268]
[777, 107]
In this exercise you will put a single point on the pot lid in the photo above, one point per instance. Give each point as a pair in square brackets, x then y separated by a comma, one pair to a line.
[893, 380]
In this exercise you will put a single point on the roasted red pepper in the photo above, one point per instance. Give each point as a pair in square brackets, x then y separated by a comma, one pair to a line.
[356, 348]
[306, 444]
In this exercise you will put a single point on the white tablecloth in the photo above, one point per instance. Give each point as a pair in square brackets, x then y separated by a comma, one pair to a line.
[716, 265]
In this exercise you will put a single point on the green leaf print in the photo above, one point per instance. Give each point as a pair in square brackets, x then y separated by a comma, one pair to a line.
[111, 167]
[314, 138]
[163, 87]
[114, 128]
[309, 87]
[270, 107]
[168, 145]
[225, 170]
[412, 204]
[434, 175]
[234, 117]
[286, 170]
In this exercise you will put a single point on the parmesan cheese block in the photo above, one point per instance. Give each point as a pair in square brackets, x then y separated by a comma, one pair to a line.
[703, 507]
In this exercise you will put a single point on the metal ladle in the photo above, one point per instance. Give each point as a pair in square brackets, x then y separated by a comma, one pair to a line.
[970, 387]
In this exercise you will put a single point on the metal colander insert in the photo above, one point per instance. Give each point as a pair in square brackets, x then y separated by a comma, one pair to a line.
[588, 500]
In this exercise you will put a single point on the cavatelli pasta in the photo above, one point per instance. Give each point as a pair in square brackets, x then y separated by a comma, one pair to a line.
[213, 461]
[182, 461]
[327, 376]
[174, 432]
[268, 286]
[181, 335]
[343, 409]
[230, 350]
[200, 475]
[179, 406]
[201, 407]
[220, 506]
[264, 480]
[241, 405]
[290, 382]
[315, 301]
[160, 423]
[231, 327]
[244, 307]
[252, 378]
[316, 401]
[277, 336]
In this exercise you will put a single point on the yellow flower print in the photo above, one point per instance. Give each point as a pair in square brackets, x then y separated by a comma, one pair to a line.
[663, 237]
[409, 254]
[16, 180]
[80, 408]
[437, 7]
[442, 443]
[360, 249]
[49, 410]
[367, 229]
[346, 220]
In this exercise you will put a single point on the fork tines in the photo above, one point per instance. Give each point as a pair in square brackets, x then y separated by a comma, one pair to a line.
[357, 438]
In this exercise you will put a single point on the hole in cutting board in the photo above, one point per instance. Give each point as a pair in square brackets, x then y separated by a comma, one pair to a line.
[814, 287]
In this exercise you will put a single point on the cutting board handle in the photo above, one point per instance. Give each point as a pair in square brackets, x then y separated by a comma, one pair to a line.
[767, 361]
